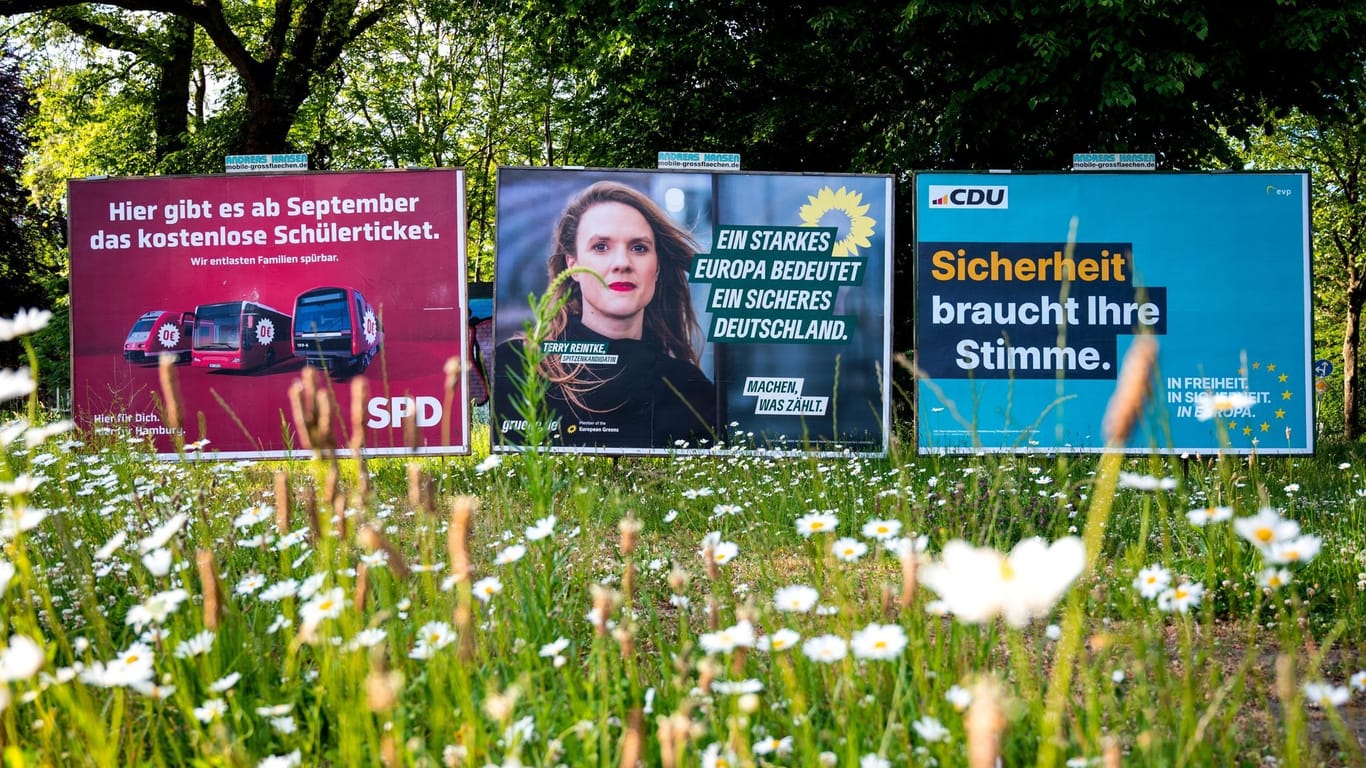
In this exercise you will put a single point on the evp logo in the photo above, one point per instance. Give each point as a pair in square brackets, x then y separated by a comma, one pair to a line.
[946, 196]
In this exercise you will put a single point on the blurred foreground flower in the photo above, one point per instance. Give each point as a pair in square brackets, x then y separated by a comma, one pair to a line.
[817, 522]
[1152, 581]
[1325, 695]
[24, 322]
[21, 659]
[1199, 517]
[132, 666]
[1265, 528]
[1300, 549]
[797, 598]
[15, 384]
[930, 729]
[727, 640]
[1146, 482]
[825, 648]
[880, 642]
[1358, 680]
[1181, 598]
[976, 584]
[1211, 404]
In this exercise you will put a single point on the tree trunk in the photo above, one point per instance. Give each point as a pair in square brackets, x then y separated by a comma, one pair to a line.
[268, 120]
[173, 87]
[1351, 344]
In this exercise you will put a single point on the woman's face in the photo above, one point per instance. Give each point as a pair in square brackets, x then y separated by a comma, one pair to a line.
[615, 241]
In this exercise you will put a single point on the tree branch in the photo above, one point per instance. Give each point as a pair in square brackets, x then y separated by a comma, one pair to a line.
[100, 34]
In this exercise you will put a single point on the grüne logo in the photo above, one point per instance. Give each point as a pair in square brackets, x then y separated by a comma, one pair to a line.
[946, 196]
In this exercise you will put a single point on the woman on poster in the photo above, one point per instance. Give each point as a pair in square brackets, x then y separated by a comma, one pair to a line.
[641, 386]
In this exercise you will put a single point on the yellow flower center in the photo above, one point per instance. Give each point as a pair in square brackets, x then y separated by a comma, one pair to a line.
[1264, 534]
[1007, 570]
[816, 526]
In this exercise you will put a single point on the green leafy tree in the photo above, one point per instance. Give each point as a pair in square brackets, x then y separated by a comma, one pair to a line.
[31, 268]
[274, 50]
[438, 83]
[1332, 148]
[894, 87]
[164, 45]
[817, 84]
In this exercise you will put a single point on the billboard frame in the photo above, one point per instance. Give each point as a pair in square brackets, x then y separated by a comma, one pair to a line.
[886, 223]
[1182, 390]
[365, 246]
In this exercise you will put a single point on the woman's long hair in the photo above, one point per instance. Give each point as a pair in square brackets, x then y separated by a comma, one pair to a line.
[669, 315]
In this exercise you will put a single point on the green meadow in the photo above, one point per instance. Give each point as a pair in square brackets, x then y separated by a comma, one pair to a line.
[731, 609]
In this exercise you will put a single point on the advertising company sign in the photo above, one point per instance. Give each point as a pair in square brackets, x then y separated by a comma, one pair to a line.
[732, 308]
[296, 161]
[246, 279]
[1114, 161]
[1024, 316]
[716, 161]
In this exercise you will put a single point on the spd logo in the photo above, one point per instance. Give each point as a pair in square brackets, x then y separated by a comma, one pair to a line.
[389, 412]
[946, 196]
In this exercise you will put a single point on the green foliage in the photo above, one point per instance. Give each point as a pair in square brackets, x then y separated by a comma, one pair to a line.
[436, 84]
[895, 87]
[31, 268]
[1333, 149]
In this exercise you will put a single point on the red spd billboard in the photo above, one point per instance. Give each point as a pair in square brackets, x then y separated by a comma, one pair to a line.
[245, 279]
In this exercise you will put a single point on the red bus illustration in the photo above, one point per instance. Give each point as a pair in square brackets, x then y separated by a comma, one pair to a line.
[335, 328]
[240, 335]
[159, 332]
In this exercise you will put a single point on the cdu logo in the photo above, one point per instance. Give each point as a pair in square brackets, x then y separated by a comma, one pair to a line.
[945, 196]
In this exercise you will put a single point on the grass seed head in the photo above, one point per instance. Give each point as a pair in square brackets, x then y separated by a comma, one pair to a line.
[212, 591]
[985, 722]
[281, 502]
[457, 538]
[170, 391]
[1131, 391]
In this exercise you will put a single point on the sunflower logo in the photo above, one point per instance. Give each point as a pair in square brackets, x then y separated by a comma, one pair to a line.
[168, 335]
[265, 331]
[369, 326]
[845, 211]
